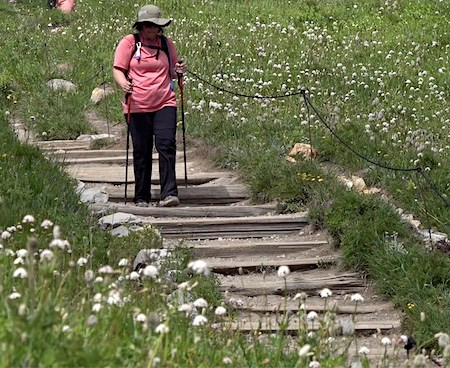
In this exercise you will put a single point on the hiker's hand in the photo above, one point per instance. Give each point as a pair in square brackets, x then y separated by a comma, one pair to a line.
[180, 67]
[127, 87]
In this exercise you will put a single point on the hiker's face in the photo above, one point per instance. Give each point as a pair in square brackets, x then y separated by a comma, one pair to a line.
[150, 30]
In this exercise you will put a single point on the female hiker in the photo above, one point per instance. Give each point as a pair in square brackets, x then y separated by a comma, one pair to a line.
[145, 64]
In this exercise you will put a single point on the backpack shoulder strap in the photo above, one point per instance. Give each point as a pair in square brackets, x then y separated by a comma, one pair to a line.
[165, 48]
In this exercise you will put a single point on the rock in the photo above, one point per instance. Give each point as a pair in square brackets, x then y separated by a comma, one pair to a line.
[120, 231]
[94, 195]
[117, 219]
[101, 92]
[61, 84]
[94, 137]
[302, 149]
[358, 183]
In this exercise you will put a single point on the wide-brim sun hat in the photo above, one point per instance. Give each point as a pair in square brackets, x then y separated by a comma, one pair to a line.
[152, 14]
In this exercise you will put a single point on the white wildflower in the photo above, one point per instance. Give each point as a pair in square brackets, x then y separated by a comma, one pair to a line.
[304, 350]
[28, 219]
[312, 316]
[123, 262]
[200, 267]
[46, 224]
[22, 253]
[47, 255]
[6, 235]
[301, 296]
[220, 311]
[58, 243]
[89, 276]
[134, 275]
[19, 260]
[201, 303]
[283, 271]
[56, 232]
[325, 293]
[386, 341]
[97, 298]
[150, 271]
[185, 308]
[66, 329]
[227, 360]
[114, 298]
[364, 350]
[357, 298]
[96, 307]
[314, 364]
[162, 329]
[20, 273]
[141, 317]
[14, 295]
[106, 270]
[81, 261]
[200, 320]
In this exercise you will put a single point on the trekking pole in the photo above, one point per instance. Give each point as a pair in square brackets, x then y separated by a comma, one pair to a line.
[180, 85]
[128, 102]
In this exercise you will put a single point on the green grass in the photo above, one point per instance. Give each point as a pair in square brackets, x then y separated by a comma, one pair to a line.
[377, 73]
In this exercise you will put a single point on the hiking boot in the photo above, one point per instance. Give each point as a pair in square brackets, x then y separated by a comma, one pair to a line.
[169, 201]
[141, 203]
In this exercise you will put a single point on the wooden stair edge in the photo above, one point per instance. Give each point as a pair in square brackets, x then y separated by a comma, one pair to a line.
[221, 266]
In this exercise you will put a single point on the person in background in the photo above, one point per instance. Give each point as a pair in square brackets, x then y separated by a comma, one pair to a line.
[144, 73]
[66, 6]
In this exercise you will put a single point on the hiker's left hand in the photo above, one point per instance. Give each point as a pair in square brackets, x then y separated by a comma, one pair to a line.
[180, 67]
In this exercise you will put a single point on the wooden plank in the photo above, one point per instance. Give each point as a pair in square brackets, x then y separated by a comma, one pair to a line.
[63, 144]
[88, 157]
[226, 267]
[254, 248]
[251, 286]
[229, 227]
[198, 194]
[267, 325]
[317, 306]
[116, 175]
[182, 211]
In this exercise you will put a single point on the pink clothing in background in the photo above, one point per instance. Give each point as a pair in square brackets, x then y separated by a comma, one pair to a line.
[152, 85]
[65, 6]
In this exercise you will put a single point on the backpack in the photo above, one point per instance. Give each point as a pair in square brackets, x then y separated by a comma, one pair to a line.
[164, 47]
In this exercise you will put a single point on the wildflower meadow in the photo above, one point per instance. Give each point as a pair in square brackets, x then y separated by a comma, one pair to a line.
[366, 83]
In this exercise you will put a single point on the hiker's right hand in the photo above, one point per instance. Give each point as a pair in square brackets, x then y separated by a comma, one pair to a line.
[127, 87]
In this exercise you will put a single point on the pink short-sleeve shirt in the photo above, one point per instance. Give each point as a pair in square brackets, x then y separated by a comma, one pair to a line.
[152, 85]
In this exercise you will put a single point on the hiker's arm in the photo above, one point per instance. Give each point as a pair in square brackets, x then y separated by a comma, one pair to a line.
[122, 81]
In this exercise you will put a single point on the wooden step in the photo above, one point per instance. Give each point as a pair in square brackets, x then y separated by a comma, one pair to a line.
[116, 174]
[186, 211]
[267, 324]
[226, 266]
[117, 157]
[63, 145]
[258, 226]
[338, 304]
[251, 285]
[208, 194]
[252, 248]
